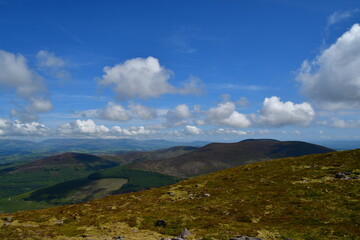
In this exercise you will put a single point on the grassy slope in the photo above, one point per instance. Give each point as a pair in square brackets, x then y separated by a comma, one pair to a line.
[111, 181]
[217, 156]
[57, 171]
[296, 198]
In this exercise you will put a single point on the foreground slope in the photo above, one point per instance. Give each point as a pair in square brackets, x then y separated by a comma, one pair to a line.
[296, 198]
[217, 156]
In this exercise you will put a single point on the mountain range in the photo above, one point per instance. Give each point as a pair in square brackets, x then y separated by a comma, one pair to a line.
[217, 156]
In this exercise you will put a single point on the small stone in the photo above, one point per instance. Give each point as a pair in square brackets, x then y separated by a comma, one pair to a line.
[171, 194]
[207, 195]
[241, 237]
[119, 237]
[340, 175]
[185, 233]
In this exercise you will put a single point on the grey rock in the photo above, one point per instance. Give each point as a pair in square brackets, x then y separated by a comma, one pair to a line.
[340, 175]
[119, 238]
[207, 195]
[184, 233]
[241, 237]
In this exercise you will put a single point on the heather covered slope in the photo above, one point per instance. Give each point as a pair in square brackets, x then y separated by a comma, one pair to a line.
[217, 156]
[299, 198]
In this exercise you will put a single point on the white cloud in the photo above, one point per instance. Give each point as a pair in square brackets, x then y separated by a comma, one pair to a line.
[82, 127]
[132, 131]
[340, 16]
[179, 115]
[39, 105]
[192, 130]
[332, 80]
[143, 112]
[142, 78]
[48, 59]
[226, 115]
[52, 65]
[18, 128]
[277, 113]
[111, 111]
[16, 75]
[340, 123]
[229, 131]
[114, 112]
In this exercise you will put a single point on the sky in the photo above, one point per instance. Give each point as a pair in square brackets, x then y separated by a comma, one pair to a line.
[215, 70]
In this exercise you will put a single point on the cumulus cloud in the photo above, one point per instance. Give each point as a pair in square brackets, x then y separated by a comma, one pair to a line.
[225, 114]
[16, 74]
[192, 130]
[132, 131]
[277, 113]
[111, 111]
[179, 115]
[52, 65]
[87, 127]
[18, 128]
[142, 78]
[332, 80]
[142, 112]
[29, 86]
[114, 112]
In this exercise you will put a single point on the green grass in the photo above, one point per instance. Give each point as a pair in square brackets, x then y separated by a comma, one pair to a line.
[46, 191]
[137, 179]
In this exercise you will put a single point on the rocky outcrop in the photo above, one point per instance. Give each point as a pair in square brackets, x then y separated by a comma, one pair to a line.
[347, 175]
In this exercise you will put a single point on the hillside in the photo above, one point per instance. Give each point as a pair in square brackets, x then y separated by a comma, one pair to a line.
[140, 156]
[49, 171]
[62, 179]
[218, 156]
[314, 197]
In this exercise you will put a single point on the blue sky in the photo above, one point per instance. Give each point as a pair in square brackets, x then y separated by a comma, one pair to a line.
[180, 70]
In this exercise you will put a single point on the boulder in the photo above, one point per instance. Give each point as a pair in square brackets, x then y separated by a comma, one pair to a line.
[184, 233]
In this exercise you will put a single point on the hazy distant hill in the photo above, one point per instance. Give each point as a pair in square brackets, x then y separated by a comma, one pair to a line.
[15, 150]
[302, 198]
[217, 156]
